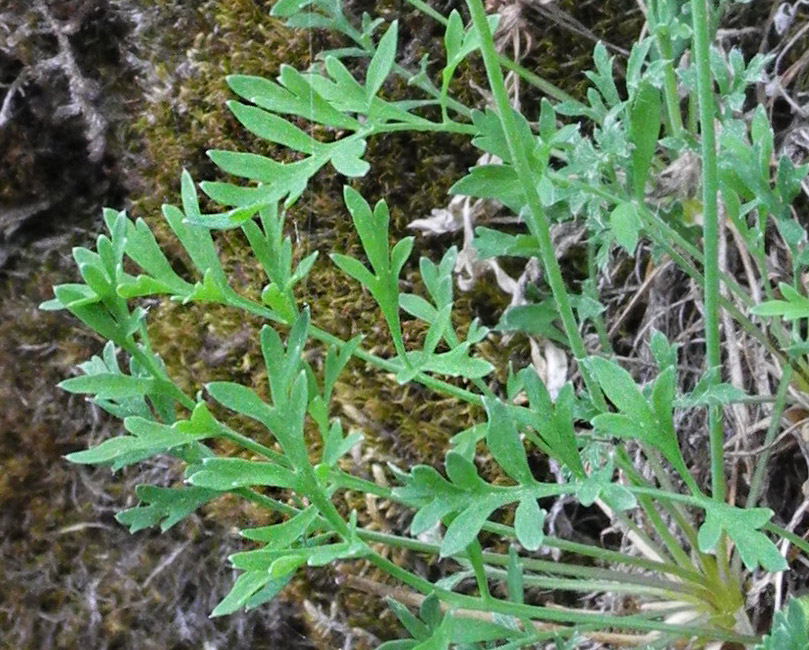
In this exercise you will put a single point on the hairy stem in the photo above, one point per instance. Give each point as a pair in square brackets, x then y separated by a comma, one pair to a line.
[536, 218]
[710, 232]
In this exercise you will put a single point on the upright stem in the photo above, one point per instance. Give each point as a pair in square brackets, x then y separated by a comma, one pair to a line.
[775, 421]
[532, 78]
[710, 231]
[536, 220]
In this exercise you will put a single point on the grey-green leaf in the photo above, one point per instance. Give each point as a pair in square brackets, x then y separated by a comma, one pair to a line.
[382, 61]
[529, 522]
[504, 443]
[232, 473]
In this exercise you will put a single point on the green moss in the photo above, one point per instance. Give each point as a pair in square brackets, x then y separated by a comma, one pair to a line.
[402, 424]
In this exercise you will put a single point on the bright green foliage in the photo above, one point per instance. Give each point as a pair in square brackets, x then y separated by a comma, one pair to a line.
[790, 627]
[598, 169]
[743, 528]
[164, 506]
[433, 630]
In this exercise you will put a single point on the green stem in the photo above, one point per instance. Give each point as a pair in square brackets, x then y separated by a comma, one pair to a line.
[497, 606]
[775, 421]
[475, 557]
[251, 445]
[531, 77]
[591, 288]
[792, 538]
[677, 592]
[601, 575]
[614, 557]
[536, 219]
[710, 230]
[383, 364]
[349, 482]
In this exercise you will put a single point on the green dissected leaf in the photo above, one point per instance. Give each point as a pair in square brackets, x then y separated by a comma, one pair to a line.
[490, 138]
[467, 523]
[792, 307]
[142, 248]
[418, 307]
[586, 307]
[529, 521]
[382, 62]
[336, 361]
[164, 506]
[665, 353]
[602, 77]
[120, 407]
[637, 57]
[273, 128]
[242, 400]
[148, 439]
[236, 196]
[399, 255]
[226, 474]
[599, 485]
[651, 424]
[251, 589]
[790, 627]
[434, 497]
[491, 243]
[335, 446]
[114, 385]
[341, 89]
[457, 363]
[499, 182]
[505, 444]
[246, 165]
[626, 225]
[644, 127]
[196, 241]
[418, 630]
[355, 269]
[707, 392]
[281, 536]
[438, 280]
[743, 527]
[553, 422]
[81, 301]
[430, 611]
[284, 364]
[458, 44]
[453, 36]
[70, 296]
[346, 157]
[534, 319]
[372, 227]
[466, 441]
[462, 472]
[295, 97]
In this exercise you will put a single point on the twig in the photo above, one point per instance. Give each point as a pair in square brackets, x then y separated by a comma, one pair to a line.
[5, 109]
[79, 87]
[636, 297]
